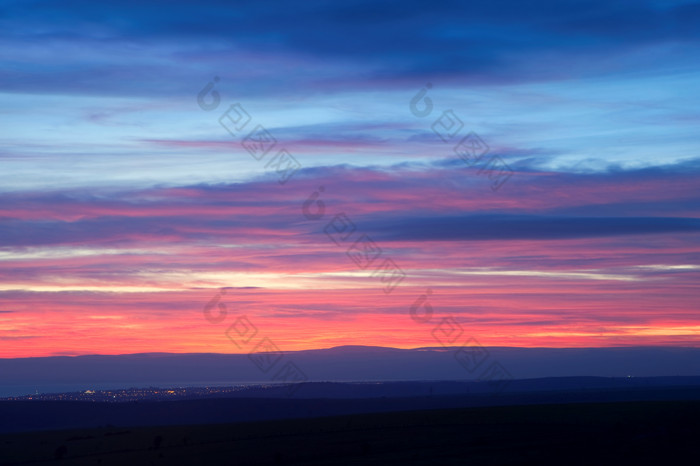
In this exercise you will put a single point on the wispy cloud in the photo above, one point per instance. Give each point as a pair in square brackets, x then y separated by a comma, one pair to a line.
[124, 205]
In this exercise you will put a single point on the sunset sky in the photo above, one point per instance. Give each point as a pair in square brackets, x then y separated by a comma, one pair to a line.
[126, 205]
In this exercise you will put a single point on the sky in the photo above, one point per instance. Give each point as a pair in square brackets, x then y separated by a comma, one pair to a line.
[402, 174]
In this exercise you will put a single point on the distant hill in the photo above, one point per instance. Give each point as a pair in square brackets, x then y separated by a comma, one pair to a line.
[345, 363]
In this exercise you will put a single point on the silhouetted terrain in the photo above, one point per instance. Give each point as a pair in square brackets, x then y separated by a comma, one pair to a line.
[329, 399]
[641, 433]
[637, 410]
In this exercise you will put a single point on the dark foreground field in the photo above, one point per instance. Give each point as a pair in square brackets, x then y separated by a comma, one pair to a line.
[600, 433]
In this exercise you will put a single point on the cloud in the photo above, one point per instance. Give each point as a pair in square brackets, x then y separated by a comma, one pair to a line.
[122, 197]
[400, 203]
[341, 45]
[511, 227]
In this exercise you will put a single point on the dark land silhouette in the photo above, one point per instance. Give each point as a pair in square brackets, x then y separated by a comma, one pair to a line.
[640, 433]
[361, 405]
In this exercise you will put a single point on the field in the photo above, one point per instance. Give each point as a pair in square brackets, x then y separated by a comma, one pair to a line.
[600, 433]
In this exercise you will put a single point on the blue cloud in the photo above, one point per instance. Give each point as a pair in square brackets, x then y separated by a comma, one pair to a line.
[124, 46]
[508, 227]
